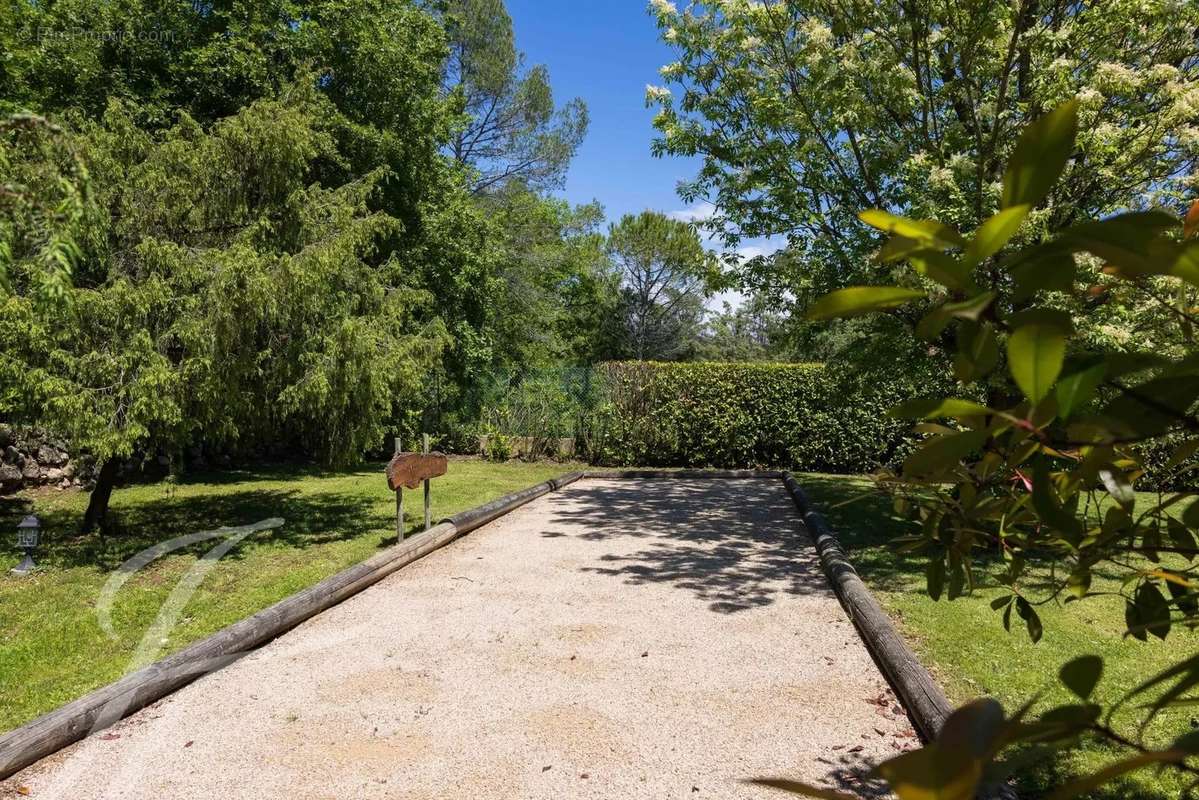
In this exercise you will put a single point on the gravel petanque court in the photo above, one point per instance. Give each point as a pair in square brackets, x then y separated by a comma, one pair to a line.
[615, 639]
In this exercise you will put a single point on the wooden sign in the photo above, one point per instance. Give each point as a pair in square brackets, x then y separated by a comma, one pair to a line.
[409, 469]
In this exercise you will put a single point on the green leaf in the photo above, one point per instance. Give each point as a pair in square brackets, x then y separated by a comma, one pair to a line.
[933, 323]
[1184, 597]
[1153, 407]
[993, 234]
[1130, 242]
[1079, 582]
[1081, 675]
[1190, 517]
[1077, 388]
[1184, 451]
[1036, 351]
[1184, 262]
[972, 308]
[1031, 620]
[974, 726]
[928, 231]
[977, 353]
[1040, 156]
[1049, 508]
[934, 575]
[1152, 611]
[898, 247]
[857, 300]
[933, 773]
[941, 452]
[943, 268]
[934, 407]
[1048, 266]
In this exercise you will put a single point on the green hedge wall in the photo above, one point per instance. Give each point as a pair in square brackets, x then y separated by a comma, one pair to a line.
[737, 415]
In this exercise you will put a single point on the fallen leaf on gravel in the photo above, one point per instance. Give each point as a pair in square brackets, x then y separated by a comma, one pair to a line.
[23, 790]
[193, 741]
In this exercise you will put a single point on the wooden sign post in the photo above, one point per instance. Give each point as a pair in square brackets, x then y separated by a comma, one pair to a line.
[428, 508]
[409, 470]
[399, 501]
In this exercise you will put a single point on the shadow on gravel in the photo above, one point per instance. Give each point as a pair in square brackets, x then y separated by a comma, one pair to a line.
[736, 544]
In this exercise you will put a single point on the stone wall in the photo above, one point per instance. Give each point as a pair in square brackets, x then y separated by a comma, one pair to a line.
[31, 458]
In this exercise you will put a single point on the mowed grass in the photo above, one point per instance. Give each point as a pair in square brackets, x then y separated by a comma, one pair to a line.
[52, 647]
[966, 646]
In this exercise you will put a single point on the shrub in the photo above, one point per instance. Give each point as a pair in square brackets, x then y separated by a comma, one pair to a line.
[736, 415]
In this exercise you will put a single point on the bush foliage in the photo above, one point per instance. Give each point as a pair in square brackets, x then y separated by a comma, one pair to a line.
[738, 415]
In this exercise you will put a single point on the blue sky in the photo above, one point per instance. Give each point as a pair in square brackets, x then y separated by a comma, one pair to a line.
[606, 51]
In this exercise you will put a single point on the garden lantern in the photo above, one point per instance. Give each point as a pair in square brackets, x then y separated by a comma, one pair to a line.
[27, 536]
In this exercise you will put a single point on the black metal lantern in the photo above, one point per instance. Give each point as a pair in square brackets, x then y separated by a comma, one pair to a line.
[27, 538]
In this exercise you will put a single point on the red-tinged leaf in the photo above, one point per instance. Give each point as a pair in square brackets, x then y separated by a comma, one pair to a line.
[1190, 225]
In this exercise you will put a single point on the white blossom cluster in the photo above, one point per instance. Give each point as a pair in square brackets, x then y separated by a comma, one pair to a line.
[656, 94]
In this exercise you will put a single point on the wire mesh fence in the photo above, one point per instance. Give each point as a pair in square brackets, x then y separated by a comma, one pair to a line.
[541, 403]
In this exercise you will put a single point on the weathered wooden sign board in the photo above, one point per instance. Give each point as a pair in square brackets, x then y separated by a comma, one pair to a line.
[408, 470]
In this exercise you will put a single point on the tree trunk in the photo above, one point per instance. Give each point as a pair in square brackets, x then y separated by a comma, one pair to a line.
[97, 504]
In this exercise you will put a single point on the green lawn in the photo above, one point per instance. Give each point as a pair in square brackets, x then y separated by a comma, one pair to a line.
[53, 647]
[965, 645]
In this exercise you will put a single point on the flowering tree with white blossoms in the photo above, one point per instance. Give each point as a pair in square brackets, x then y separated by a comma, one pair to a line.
[805, 111]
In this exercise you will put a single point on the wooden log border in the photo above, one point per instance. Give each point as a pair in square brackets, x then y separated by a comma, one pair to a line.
[925, 701]
[49, 733]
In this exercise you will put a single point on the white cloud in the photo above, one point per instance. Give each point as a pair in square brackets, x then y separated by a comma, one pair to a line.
[715, 303]
[761, 247]
[696, 213]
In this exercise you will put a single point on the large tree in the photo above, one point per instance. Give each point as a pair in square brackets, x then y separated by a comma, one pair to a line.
[805, 111]
[511, 127]
[560, 289]
[663, 265]
[277, 244]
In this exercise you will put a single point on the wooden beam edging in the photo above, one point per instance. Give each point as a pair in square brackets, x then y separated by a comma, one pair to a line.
[467, 521]
[922, 697]
[49, 733]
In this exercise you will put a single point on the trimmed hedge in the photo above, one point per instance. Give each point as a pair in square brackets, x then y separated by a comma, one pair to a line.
[741, 415]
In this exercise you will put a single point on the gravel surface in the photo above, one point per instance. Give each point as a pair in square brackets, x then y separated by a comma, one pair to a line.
[615, 639]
